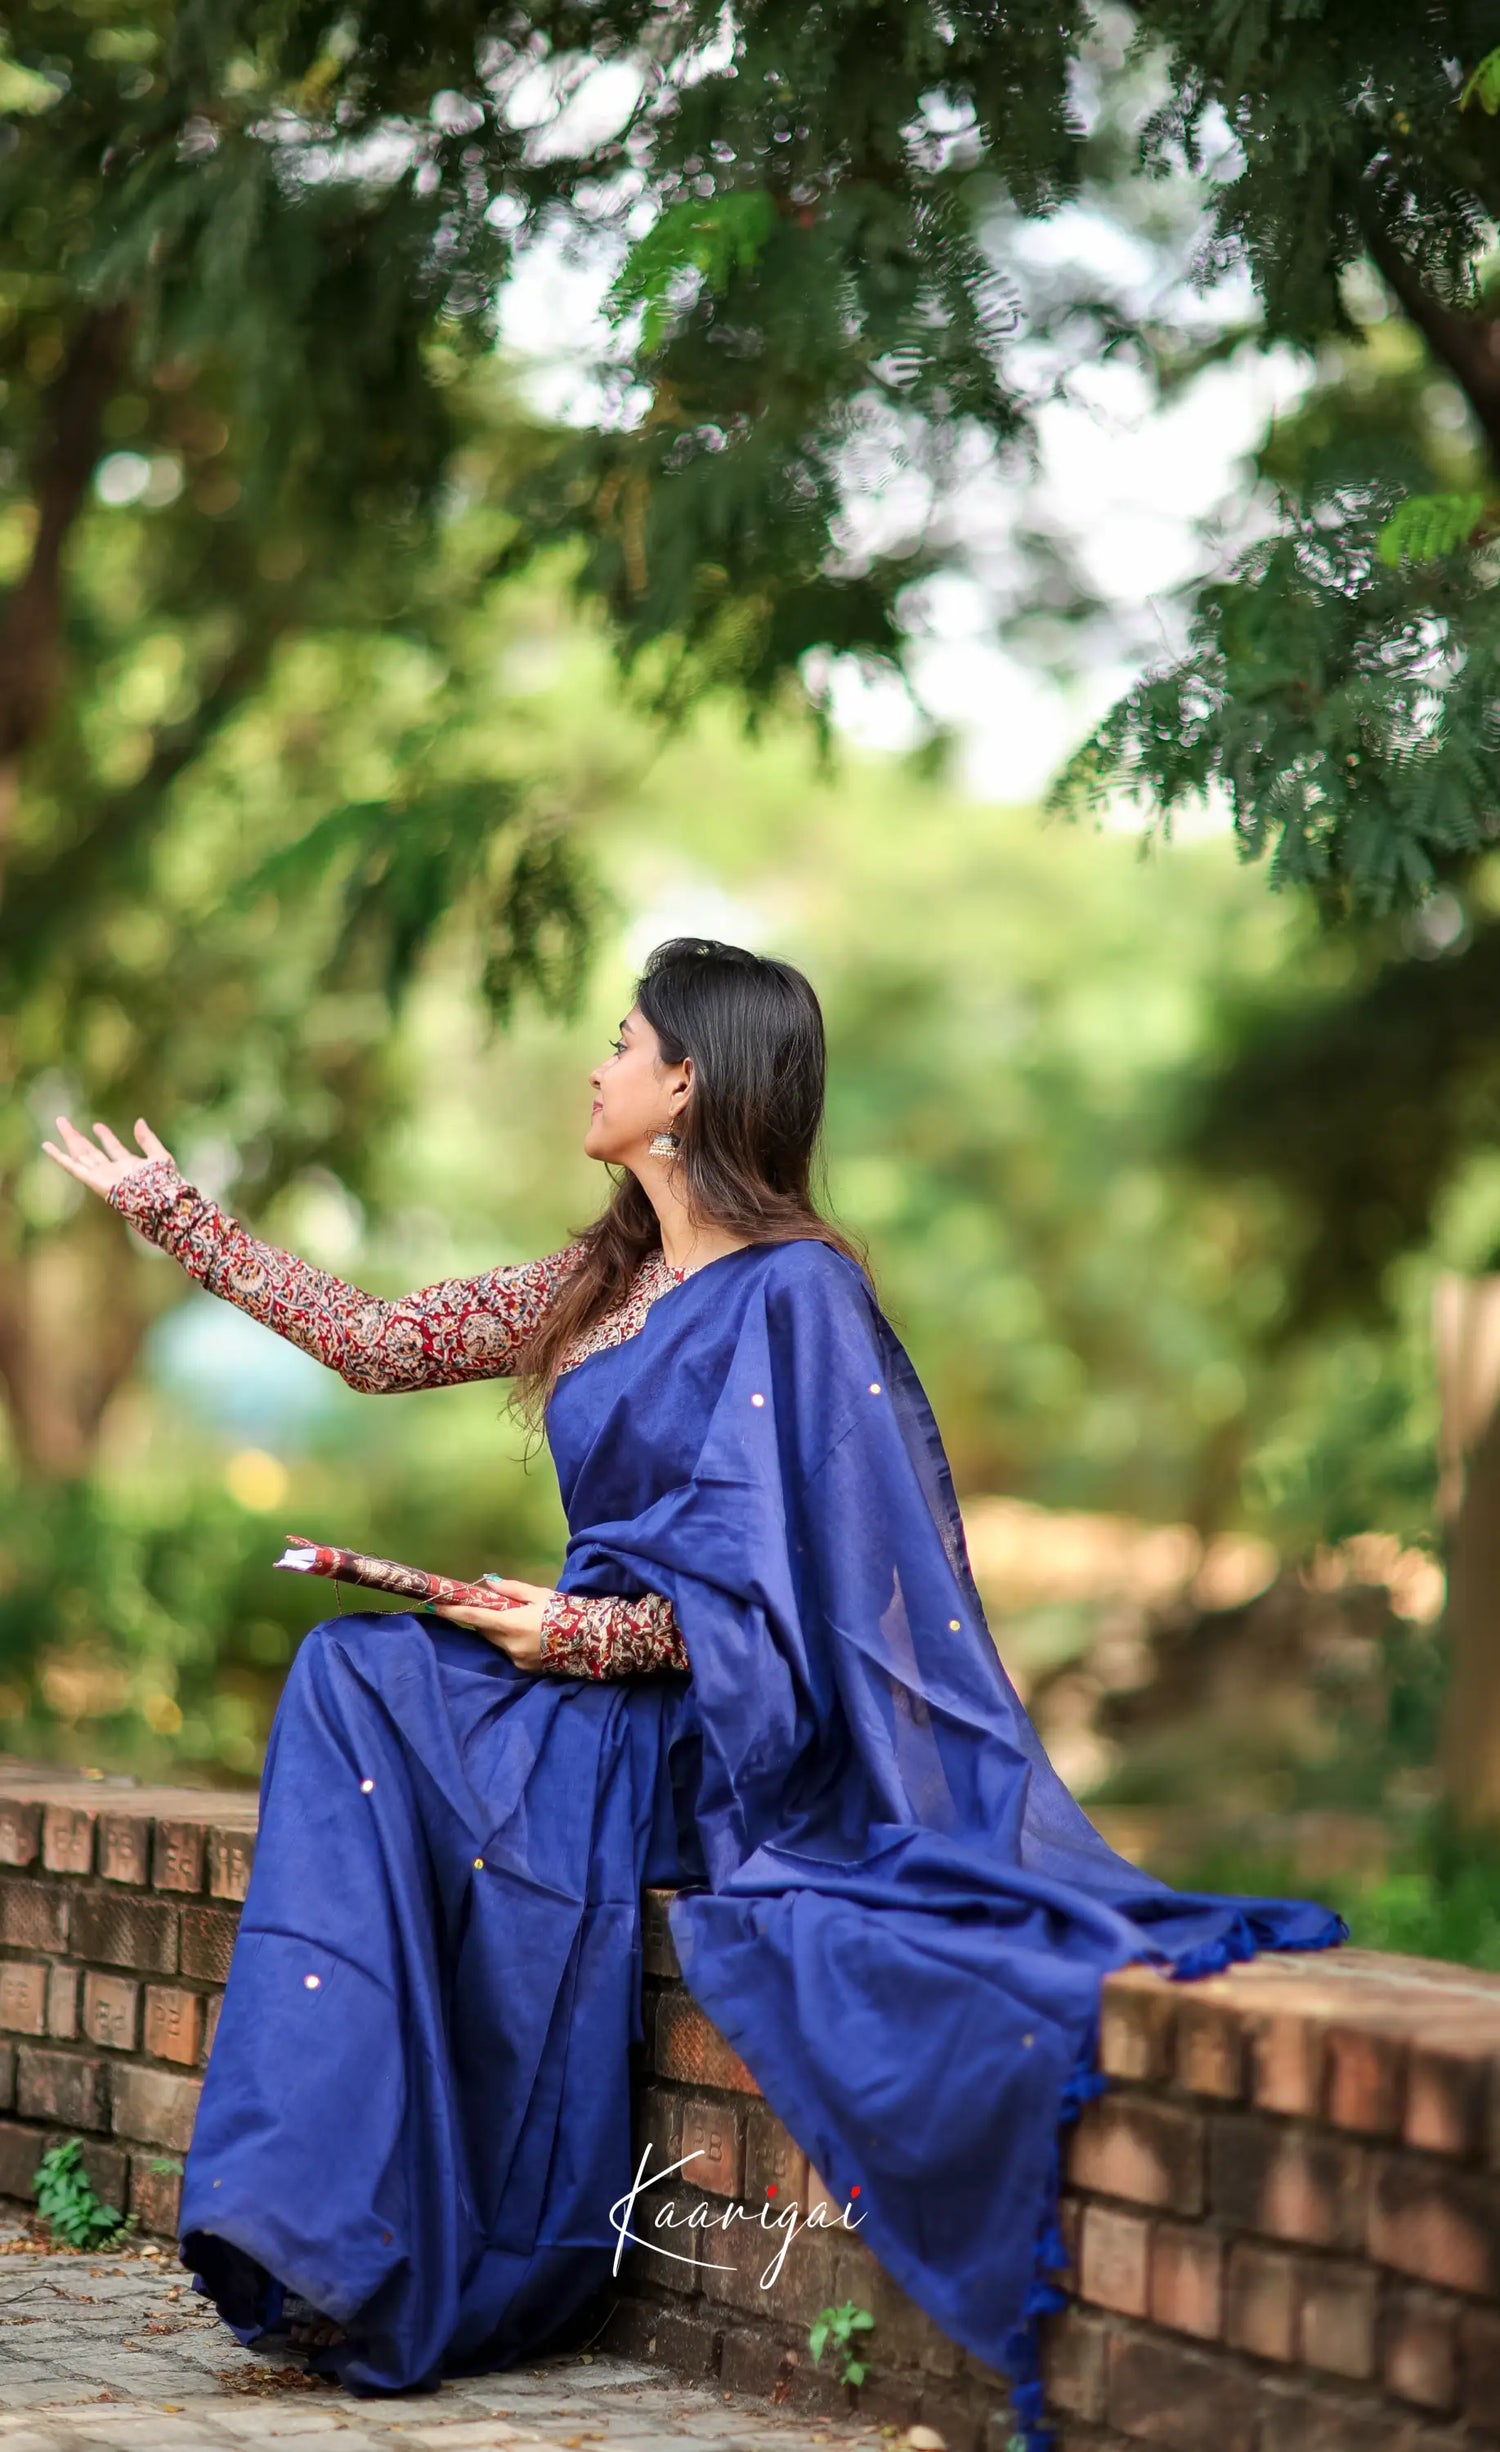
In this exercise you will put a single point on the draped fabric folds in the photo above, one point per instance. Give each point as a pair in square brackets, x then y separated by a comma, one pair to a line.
[416, 2111]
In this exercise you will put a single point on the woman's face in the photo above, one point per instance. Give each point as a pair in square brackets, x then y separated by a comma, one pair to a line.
[635, 1095]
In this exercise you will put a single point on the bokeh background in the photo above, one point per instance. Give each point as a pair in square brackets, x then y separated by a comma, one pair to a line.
[346, 785]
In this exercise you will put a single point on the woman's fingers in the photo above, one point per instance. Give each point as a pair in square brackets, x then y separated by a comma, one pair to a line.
[69, 1164]
[105, 1162]
[78, 1142]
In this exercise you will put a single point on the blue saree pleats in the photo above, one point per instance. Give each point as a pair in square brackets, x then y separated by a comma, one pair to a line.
[417, 2108]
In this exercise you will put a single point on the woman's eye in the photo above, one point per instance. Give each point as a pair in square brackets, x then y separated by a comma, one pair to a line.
[618, 1045]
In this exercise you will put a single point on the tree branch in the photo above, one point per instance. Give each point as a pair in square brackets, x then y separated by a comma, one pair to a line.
[116, 822]
[1469, 345]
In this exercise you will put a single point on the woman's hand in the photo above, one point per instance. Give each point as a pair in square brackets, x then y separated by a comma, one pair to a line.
[517, 1631]
[101, 1169]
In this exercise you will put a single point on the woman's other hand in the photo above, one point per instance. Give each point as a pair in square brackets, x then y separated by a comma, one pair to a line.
[103, 1167]
[517, 1631]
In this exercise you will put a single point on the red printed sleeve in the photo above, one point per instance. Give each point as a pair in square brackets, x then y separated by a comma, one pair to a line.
[588, 1636]
[459, 1328]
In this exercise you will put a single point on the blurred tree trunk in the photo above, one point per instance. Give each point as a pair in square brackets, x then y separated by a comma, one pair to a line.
[71, 1325]
[1467, 1338]
[31, 619]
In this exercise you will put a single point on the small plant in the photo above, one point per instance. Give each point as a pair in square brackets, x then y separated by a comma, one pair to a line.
[66, 2201]
[839, 2325]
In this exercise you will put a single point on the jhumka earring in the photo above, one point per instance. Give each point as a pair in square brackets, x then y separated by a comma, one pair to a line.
[664, 1145]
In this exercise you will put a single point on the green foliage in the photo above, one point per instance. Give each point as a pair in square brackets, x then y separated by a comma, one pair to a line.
[67, 2203]
[1426, 525]
[840, 2325]
[1482, 85]
[1347, 720]
[714, 240]
[1437, 1896]
[1402, 1070]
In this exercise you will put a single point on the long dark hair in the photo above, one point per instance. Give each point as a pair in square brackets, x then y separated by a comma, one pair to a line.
[751, 1133]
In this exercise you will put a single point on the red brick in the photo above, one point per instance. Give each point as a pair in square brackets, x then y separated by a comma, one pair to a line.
[655, 2130]
[678, 2340]
[21, 2149]
[104, 2167]
[1479, 2364]
[126, 1932]
[775, 2165]
[177, 1856]
[61, 2086]
[1366, 2079]
[1187, 2280]
[111, 2011]
[1438, 2225]
[174, 2023]
[1129, 2146]
[231, 1855]
[688, 2047]
[20, 1831]
[68, 1838]
[33, 1915]
[668, 2254]
[1304, 2418]
[211, 2022]
[1452, 2076]
[62, 2003]
[7, 2073]
[208, 1936]
[823, 2268]
[1288, 2183]
[1160, 2392]
[155, 2195]
[1073, 2363]
[713, 2139]
[125, 1848]
[732, 2255]
[1135, 2029]
[155, 2108]
[1114, 2257]
[1286, 2054]
[23, 1997]
[1336, 2317]
[1211, 2049]
[1419, 2348]
[1260, 2301]
[658, 1949]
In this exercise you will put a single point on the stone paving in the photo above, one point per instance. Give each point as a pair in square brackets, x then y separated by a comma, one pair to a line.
[118, 2350]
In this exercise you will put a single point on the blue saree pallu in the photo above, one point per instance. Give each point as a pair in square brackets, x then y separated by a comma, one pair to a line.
[416, 2114]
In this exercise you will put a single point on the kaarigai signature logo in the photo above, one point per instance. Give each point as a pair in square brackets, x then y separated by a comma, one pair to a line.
[702, 2217]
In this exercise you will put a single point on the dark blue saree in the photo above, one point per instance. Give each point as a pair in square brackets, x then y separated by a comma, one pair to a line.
[417, 2115]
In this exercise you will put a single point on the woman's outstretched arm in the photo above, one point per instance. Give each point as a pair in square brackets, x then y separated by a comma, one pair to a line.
[456, 1329]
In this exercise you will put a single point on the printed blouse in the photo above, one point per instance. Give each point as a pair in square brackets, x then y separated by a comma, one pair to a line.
[460, 1328]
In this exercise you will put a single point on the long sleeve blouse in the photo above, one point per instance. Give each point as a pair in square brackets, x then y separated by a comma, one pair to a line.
[457, 1329]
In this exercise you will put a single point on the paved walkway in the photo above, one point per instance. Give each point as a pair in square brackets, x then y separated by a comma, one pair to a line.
[99, 2351]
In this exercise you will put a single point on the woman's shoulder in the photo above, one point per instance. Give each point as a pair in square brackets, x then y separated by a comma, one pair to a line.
[816, 1272]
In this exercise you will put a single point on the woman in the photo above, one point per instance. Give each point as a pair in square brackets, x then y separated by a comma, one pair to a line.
[764, 1677]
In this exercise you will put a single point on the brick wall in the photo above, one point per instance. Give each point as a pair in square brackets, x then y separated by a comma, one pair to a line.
[118, 1908]
[1284, 2214]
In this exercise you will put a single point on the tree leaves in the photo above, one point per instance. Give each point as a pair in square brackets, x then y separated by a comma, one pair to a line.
[1427, 525]
[713, 238]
